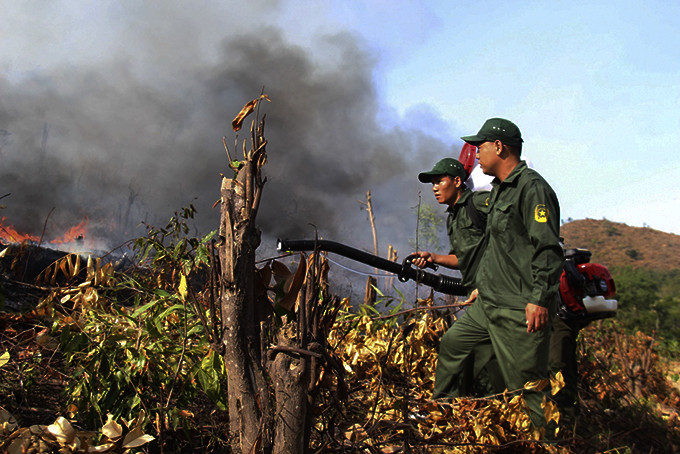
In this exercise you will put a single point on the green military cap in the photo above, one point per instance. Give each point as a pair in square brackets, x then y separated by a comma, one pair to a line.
[447, 166]
[496, 129]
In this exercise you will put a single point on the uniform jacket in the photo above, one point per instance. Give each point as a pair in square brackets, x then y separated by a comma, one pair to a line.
[523, 258]
[465, 238]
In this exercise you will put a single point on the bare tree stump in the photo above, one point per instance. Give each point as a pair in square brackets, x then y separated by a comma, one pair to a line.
[272, 372]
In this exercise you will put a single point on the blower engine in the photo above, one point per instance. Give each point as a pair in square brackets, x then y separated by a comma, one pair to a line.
[586, 289]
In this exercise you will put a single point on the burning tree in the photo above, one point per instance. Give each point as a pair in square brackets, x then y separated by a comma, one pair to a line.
[272, 358]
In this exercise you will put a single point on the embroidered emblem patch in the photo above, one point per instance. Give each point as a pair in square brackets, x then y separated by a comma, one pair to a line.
[541, 213]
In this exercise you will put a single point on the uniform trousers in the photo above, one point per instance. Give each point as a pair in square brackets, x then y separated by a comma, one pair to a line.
[522, 357]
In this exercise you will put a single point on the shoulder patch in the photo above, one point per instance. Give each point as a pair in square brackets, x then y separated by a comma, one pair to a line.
[541, 213]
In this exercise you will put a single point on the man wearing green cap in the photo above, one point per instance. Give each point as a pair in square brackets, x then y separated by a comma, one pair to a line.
[466, 224]
[448, 185]
[519, 273]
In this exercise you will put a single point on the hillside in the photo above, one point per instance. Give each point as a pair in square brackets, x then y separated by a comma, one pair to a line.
[615, 244]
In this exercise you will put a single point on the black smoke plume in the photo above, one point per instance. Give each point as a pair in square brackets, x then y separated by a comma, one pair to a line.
[119, 147]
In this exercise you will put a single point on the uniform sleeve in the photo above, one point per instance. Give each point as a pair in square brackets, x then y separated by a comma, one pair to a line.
[542, 221]
[481, 202]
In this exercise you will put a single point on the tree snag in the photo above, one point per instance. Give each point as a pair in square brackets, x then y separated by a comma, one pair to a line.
[240, 238]
[273, 358]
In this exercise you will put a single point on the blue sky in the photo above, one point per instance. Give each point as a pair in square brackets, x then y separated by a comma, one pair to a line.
[594, 86]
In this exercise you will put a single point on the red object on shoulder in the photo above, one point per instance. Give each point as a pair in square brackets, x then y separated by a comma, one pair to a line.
[468, 157]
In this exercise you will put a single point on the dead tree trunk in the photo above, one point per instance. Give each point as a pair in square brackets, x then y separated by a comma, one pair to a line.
[272, 369]
[240, 237]
[371, 216]
[290, 375]
[370, 294]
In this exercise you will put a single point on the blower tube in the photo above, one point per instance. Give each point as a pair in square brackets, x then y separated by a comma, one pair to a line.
[441, 283]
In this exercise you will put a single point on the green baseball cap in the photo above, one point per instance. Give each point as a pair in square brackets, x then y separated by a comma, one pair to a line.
[496, 129]
[447, 166]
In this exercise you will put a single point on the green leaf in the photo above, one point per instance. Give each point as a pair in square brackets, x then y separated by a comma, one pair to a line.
[161, 292]
[281, 312]
[197, 329]
[158, 326]
[169, 311]
[143, 309]
[4, 359]
[75, 343]
[369, 310]
[209, 378]
[136, 401]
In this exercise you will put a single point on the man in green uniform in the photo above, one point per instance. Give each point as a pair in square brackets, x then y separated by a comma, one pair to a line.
[465, 224]
[519, 273]
[465, 237]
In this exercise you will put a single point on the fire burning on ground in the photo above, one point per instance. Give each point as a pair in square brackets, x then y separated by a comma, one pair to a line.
[76, 236]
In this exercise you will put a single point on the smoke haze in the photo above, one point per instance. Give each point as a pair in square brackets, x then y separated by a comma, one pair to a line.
[122, 121]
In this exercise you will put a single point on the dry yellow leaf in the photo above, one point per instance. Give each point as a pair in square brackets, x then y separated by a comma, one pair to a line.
[294, 285]
[355, 433]
[45, 340]
[136, 438]
[537, 385]
[556, 383]
[62, 430]
[183, 287]
[247, 109]
[90, 268]
[550, 411]
[7, 422]
[112, 430]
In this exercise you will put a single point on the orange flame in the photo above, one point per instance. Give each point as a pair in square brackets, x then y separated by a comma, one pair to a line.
[9, 234]
[76, 232]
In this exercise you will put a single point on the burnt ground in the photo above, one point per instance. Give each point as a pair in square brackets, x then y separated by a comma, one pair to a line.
[32, 381]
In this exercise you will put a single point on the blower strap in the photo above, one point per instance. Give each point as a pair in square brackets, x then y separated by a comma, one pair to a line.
[475, 216]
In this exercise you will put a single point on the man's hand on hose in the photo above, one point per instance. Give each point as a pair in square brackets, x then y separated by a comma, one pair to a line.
[537, 318]
[422, 258]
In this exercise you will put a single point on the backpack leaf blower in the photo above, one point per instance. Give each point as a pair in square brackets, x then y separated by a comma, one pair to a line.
[586, 289]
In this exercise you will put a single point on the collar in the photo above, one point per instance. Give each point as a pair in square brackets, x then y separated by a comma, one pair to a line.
[519, 168]
[461, 200]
